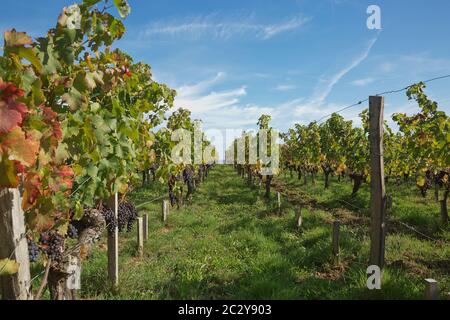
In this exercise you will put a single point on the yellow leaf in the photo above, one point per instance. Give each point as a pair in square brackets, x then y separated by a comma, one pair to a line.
[420, 181]
[20, 148]
[17, 39]
[8, 267]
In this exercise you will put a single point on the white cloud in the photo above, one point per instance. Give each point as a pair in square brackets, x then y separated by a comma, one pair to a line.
[219, 109]
[222, 28]
[322, 92]
[285, 87]
[290, 25]
[193, 90]
[362, 82]
[314, 107]
[210, 101]
[224, 109]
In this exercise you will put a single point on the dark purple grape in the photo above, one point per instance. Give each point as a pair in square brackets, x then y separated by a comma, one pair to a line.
[72, 231]
[33, 250]
[110, 220]
[53, 245]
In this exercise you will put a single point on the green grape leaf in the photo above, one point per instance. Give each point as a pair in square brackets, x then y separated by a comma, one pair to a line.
[123, 7]
[30, 55]
[28, 79]
[90, 3]
[74, 99]
[92, 171]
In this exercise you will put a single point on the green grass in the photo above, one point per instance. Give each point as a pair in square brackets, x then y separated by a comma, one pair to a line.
[231, 244]
[408, 206]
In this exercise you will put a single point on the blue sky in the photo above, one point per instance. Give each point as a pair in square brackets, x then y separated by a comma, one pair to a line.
[297, 60]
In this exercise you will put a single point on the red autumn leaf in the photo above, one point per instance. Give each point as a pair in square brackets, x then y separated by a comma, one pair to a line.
[57, 131]
[65, 171]
[63, 179]
[19, 107]
[50, 117]
[9, 118]
[32, 186]
[20, 148]
[11, 112]
[19, 167]
[9, 91]
[49, 114]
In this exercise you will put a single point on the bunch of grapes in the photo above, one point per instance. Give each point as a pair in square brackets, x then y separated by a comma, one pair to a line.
[72, 231]
[188, 175]
[122, 217]
[52, 244]
[127, 216]
[172, 198]
[110, 220]
[33, 250]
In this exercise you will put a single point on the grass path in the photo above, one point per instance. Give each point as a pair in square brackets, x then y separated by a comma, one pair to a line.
[230, 244]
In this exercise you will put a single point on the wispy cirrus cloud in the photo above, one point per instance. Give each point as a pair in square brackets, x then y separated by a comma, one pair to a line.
[219, 28]
[200, 98]
[315, 106]
[322, 92]
[285, 87]
[219, 109]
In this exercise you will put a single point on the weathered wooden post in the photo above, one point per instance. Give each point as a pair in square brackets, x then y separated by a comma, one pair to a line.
[298, 218]
[140, 236]
[73, 282]
[145, 218]
[431, 289]
[279, 203]
[113, 245]
[335, 242]
[377, 188]
[165, 211]
[444, 211]
[13, 245]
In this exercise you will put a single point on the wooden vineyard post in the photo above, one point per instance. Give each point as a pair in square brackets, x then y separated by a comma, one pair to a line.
[444, 213]
[165, 211]
[140, 236]
[145, 225]
[279, 203]
[431, 289]
[13, 245]
[113, 245]
[298, 218]
[73, 282]
[377, 188]
[335, 242]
